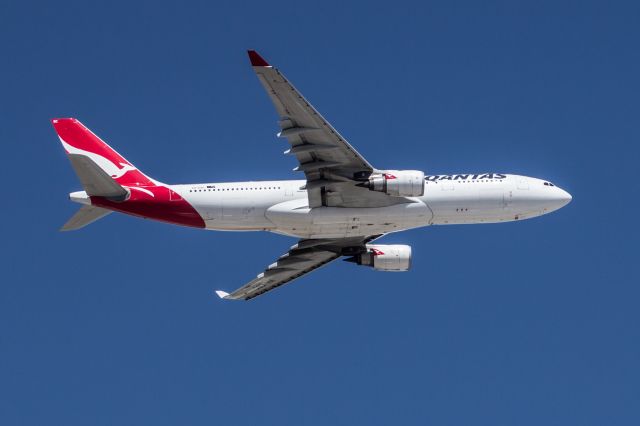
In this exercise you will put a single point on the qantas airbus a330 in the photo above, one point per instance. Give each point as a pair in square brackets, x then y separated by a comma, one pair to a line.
[339, 209]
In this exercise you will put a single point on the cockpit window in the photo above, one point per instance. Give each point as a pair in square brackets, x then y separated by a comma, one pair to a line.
[548, 184]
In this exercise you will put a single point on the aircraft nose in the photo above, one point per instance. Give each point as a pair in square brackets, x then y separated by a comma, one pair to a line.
[560, 198]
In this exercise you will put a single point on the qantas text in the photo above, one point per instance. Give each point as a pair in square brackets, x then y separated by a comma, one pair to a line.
[466, 176]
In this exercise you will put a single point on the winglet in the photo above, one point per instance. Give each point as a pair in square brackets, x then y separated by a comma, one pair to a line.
[256, 59]
[222, 294]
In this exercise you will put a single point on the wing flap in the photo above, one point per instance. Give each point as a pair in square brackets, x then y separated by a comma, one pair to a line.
[302, 123]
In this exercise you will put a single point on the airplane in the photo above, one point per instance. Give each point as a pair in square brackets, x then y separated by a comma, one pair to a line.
[341, 207]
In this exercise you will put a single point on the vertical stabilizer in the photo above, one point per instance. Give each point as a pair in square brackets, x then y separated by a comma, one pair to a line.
[111, 183]
[80, 141]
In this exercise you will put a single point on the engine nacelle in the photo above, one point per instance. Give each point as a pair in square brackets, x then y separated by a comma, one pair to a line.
[398, 183]
[394, 257]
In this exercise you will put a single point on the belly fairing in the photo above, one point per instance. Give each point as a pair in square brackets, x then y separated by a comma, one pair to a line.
[297, 219]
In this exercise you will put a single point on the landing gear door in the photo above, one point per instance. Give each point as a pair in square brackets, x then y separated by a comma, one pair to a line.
[507, 200]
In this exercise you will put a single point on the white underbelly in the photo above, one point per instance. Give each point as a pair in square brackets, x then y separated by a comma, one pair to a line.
[297, 219]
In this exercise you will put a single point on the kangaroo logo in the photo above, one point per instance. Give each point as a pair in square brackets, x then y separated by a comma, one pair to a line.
[125, 168]
[109, 167]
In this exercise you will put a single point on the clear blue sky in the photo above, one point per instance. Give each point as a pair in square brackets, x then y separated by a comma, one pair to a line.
[523, 323]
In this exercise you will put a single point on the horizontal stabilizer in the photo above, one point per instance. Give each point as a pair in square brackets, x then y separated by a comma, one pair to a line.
[94, 180]
[84, 216]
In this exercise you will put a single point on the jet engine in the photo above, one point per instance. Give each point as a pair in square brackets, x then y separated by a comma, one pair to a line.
[395, 257]
[397, 183]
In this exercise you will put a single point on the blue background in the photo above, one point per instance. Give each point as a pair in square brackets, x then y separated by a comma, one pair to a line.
[526, 323]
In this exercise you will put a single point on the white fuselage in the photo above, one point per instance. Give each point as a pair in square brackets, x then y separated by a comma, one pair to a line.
[282, 206]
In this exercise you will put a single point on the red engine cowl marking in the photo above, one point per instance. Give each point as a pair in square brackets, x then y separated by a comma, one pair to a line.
[155, 202]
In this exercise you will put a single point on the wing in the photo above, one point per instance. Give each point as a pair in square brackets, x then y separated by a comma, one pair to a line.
[332, 166]
[302, 258]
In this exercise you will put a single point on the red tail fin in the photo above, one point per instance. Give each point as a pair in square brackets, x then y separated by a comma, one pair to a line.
[77, 139]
